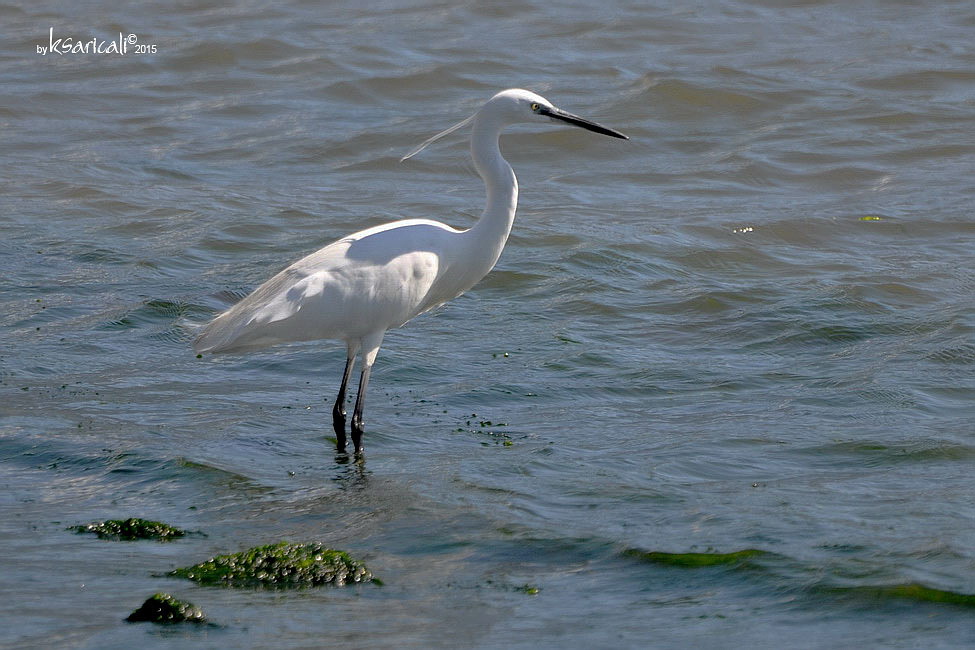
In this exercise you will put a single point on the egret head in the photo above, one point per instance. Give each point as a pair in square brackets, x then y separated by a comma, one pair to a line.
[516, 105]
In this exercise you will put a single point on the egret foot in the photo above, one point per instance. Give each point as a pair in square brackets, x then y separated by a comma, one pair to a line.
[357, 432]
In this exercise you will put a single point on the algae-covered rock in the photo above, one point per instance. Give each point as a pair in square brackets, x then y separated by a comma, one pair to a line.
[163, 608]
[696, 559]
[284, 565]
[129, 529]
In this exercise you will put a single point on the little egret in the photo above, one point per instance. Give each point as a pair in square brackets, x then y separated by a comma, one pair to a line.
[362, 285]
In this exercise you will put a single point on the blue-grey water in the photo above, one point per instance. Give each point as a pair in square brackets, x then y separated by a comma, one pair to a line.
[748, 327]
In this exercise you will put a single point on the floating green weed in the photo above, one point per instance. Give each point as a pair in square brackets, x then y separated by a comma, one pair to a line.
[695, 559]
[912, 591]
[484, 428]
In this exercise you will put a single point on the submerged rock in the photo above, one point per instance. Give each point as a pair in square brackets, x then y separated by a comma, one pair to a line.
[163, 608]
[129, 529]
[283, 565]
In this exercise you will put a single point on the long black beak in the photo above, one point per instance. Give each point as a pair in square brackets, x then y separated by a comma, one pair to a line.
[565, 116]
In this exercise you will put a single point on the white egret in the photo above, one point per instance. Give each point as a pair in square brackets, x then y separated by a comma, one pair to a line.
[362, 285]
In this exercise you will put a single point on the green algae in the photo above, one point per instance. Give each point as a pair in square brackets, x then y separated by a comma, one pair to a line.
[130, 529]
[692, 560]
[163, 608]
[912, 591]
[281, 565]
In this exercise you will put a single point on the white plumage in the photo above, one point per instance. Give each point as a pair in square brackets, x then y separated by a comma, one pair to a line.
[362, 285]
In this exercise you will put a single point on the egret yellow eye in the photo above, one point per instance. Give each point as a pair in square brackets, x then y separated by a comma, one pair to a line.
[535, 107]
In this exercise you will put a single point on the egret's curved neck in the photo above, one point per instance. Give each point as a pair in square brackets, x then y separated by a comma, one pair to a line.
[491, 230]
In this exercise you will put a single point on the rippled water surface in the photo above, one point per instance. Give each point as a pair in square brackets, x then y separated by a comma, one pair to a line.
[750, 327]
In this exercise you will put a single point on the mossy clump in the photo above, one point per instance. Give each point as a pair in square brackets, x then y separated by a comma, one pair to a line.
[163, 608]
[129, 529]
[696, 559]
[281, 565]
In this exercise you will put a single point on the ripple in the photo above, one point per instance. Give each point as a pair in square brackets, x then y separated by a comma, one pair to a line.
[964, 354]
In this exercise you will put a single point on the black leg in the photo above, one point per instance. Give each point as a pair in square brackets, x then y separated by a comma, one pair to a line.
[338, 411]
[357, 413]
[370, 348]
